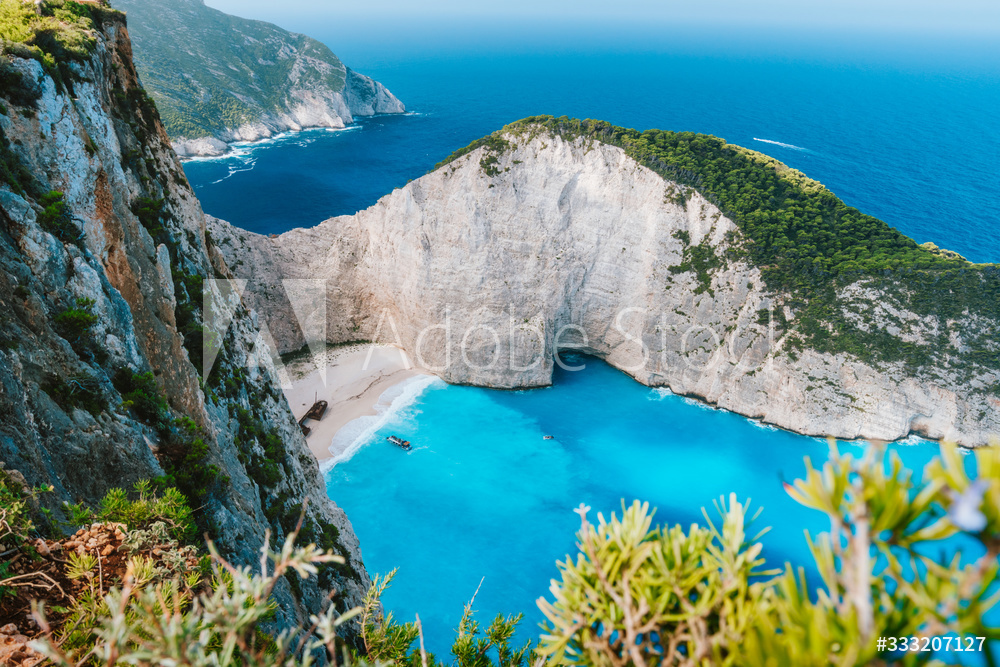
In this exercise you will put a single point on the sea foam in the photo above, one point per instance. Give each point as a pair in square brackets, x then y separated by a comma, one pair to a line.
[356, 433]
[241, 150]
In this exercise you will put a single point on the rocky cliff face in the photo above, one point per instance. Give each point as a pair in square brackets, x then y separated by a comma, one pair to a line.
[219, 79]
[484, 267]
[103, 253]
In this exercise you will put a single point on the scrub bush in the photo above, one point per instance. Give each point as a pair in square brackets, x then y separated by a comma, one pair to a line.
[158, 621]
[79, 390]
[636, 594]
[13, 172]
[140, 510]
[62, 32]
[149, 211]
[184, 455]
[660, 596]
[74, 324]
[141, 395]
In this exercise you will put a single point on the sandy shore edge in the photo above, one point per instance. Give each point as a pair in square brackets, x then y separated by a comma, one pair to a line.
[350, 379]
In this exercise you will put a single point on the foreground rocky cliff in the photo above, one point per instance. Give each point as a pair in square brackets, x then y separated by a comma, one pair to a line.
[219, 79]
[103, 255]
[539, 239]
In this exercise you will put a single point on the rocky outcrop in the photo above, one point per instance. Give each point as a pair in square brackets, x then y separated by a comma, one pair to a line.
[103, 253]
[219, 79]
[367, 97]
[486, 266]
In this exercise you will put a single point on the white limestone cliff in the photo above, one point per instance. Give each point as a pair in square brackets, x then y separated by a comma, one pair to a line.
[571, 244]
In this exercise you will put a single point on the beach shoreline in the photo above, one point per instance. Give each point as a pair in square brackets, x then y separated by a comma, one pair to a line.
[356, 376]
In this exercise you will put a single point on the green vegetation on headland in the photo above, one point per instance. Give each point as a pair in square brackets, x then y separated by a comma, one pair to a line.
[57, 34]
[809, 246]
[634, 594]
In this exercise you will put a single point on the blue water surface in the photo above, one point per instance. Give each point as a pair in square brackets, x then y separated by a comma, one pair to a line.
[912, 140]
[908, 132]
[483, 497]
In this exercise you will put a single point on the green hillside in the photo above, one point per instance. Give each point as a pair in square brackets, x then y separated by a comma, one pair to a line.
[209, 71]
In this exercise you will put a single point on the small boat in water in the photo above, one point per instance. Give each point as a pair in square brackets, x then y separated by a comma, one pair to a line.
[399, 442]
[548, 437]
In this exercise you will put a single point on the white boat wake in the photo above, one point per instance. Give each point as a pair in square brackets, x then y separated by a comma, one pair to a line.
[783, 145]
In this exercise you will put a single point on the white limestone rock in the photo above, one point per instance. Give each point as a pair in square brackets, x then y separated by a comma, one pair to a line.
[572, 243]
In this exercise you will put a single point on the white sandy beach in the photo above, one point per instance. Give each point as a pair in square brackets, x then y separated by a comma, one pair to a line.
[352, 388]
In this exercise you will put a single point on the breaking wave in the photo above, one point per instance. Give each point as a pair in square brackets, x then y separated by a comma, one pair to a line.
[356, 433]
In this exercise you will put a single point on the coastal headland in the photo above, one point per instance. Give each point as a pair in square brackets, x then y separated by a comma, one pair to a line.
[555, 233]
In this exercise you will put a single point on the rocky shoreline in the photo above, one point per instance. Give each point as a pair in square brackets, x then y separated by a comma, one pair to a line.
[362, 97]
[243, 80]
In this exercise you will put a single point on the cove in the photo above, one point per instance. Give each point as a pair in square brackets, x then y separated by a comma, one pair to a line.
[482, 496]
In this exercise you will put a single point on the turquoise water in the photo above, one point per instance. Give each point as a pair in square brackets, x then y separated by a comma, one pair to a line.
[908, 131]
[483, 496]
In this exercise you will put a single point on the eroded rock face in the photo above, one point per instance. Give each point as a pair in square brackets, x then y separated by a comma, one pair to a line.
[63, 420]
[556, 244]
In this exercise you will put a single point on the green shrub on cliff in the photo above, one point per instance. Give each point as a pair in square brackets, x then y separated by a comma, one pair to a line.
[79, 390]
[70, 574]
[184, 455]
[16, 525]
[13, 173]
[17, 20]
[149, 211]
[189, 291]
[62, 32]
[141, 395]
[56, 218]
[183, 450]
[140, 509]
[76, 323]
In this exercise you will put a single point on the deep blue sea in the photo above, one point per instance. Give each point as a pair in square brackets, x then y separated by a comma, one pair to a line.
[912, 138]
[909, 134]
